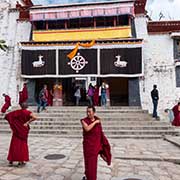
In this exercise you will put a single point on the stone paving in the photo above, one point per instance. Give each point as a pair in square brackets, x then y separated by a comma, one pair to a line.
[152, 159]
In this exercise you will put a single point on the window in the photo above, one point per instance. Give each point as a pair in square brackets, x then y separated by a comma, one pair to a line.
[109, 21]
[86, 22]
[100, 21]
[177, 49]
[178, 76]
[40, 25]
[60, 24]
[73, 23]
[123, 20]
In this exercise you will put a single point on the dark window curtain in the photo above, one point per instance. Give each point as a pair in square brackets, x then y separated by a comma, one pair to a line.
[90, 55]
[29, 56]
[133, 57]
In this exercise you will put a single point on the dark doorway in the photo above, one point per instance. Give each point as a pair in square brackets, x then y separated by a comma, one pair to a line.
[69, 87]
[41, 82]
[118, 91]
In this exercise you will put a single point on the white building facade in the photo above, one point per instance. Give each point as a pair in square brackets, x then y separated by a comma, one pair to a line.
[158, 40]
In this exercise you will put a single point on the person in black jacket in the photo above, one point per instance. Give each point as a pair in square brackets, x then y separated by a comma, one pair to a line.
[155, 98]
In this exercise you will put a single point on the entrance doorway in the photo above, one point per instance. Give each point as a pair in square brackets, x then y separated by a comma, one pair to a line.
[69, 88]
[122, 90]
[39, 83]
[118, 90]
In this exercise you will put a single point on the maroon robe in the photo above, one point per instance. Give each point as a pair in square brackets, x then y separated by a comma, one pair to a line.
[6, 104]
[18, 150]
[21, 100]
[96, 96]
[92, 146]
[25, 93]
[50, 98]
[176, 121]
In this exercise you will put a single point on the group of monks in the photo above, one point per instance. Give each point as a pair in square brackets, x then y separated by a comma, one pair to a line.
[23, 96]
[94, 141]
[19, 121]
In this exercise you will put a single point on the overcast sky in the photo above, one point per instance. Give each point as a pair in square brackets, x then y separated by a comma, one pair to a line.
[167, 9]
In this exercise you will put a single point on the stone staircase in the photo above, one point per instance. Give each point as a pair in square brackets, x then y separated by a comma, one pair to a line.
[117, 122]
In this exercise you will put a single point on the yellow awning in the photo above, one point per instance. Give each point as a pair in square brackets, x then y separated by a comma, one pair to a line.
[82, 34]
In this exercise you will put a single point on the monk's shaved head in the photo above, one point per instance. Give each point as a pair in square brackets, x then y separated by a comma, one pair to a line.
[24, 105]
[92, 107]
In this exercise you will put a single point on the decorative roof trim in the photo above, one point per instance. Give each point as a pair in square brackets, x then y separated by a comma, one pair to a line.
[80, 4]
[140, 6]
[69, 43]
[163, 27]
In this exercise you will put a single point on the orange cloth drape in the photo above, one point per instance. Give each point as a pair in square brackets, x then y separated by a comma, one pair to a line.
[74, 51]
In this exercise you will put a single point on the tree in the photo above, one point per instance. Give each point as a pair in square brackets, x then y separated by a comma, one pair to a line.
[3, 45]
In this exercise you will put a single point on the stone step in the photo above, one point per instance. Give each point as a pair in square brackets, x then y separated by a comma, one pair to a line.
[83, 115]
[108, 132]
[80, 136]
[119, 122]
[107, 120]
[109, 136]
[105, 127]
[84, 107]
[104, 122]
[99, 111]
[76, 116]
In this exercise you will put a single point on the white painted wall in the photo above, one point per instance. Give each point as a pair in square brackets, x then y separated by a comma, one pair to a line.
[158, 68]
[157, 57]
[13, 32]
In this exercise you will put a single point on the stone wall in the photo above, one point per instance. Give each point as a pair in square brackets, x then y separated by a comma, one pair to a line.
[13, 32]
[158, 68]
[157, 57]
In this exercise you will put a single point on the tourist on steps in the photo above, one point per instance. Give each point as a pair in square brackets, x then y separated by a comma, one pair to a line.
[104, 94]
[155, 99]
[43, 99]
[94, 143]
[90, 94]
[77, 95]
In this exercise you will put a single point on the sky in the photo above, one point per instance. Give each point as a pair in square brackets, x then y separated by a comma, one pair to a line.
[157, 9]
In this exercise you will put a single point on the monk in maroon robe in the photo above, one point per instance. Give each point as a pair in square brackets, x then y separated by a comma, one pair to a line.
[93, 139]
[176, 111]
[50, 98]
[6, 104]
[96, 96]
[21, 100]
[25, 93]
[19, 121]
